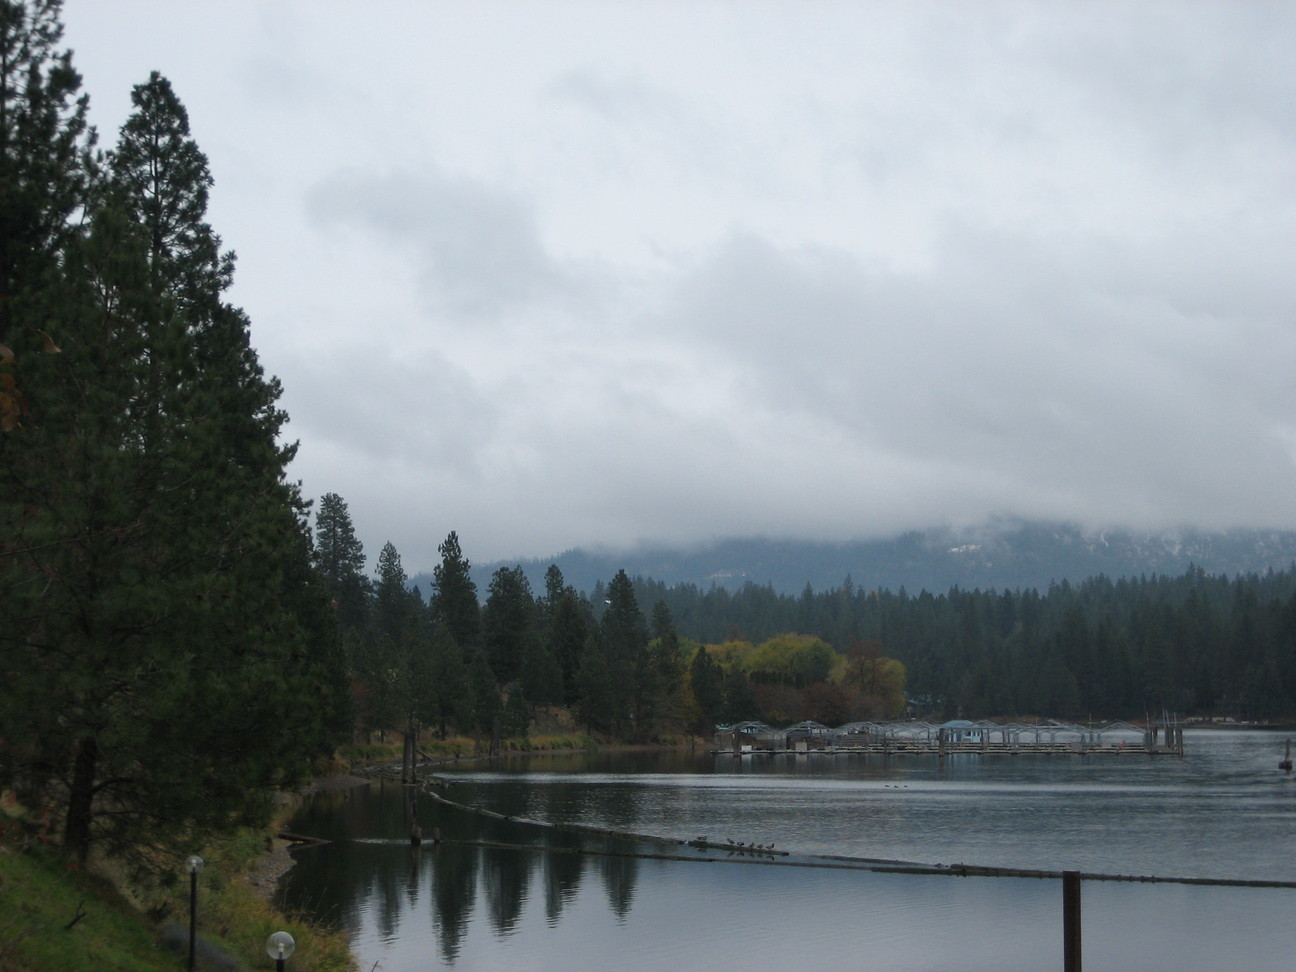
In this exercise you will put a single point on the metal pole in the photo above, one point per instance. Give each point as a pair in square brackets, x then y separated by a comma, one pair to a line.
[193, 915]
[1071, 921]
[279, 965]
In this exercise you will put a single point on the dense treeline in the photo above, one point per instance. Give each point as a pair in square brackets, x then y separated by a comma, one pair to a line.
[167, 649]
[1195, 643]
[484, 663]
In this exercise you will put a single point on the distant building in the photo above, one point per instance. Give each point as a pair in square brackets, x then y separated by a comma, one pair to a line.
[961, 730]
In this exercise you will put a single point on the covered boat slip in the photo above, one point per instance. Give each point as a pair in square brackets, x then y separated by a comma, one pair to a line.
[956, 736]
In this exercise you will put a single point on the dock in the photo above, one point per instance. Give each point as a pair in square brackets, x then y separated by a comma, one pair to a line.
[984, 738]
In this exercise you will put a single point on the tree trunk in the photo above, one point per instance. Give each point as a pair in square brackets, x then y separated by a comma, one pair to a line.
[80, 812]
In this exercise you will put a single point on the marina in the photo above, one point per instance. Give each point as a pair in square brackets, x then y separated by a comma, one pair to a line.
[956, 736]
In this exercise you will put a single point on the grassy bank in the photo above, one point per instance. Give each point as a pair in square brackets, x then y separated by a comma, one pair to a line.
[56, 917]
[457, 747]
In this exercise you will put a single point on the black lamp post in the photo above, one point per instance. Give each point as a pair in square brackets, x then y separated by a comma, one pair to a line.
[279, 947]
[193, 865]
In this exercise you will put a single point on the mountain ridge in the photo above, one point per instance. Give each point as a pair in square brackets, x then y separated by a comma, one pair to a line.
[1003, 555]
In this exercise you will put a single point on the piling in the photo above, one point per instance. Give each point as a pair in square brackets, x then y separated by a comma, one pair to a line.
[1071, 921]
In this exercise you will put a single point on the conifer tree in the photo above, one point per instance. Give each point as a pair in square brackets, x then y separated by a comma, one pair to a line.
[598, 701]
[393, 603]
[454, 595]
[569, 633]
[171, 643]
[449, 691]
[707, 682]
[485, 695]
[624, 636]
[540, 676]
[666, 655]
[508, 623]
[45, 143]
[160, 167]
[339, 558]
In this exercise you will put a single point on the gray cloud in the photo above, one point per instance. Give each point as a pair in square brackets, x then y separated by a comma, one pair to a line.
[385, 402]
[477, 248]
[1035, 365]
[602, 273]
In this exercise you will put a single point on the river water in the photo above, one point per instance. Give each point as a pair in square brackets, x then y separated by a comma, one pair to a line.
[553, 898]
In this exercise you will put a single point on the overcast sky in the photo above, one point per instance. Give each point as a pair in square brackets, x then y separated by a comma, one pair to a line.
[575, 274]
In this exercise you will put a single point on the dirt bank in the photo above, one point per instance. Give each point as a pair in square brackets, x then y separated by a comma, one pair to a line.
[265, 873]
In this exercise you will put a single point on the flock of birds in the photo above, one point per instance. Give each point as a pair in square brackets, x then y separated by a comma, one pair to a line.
[735, 845]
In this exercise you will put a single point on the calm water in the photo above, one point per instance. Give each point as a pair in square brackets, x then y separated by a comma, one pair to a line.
[561, 902]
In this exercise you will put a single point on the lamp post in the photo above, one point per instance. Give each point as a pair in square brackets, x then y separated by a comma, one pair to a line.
[193, 865]
[279, 947]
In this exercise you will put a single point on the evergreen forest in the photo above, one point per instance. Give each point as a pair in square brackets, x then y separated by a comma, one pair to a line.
[1195, 645]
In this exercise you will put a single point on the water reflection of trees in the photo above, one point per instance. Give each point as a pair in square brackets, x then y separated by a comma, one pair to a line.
[506, 875]
[562, 874]
[618, 871]
[370, 868]
[454, 880]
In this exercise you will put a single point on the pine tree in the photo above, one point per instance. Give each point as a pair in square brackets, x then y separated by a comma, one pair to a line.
[449, 691]
[667, 659]
[707, 682]
[508, 623]
[164, 627]
[160, 167]
[597, 697]
[634, 680]
[393, 661]
[566, 630]
[339, 558]
[402, 639]
[392, 600]
[485, 696]
[45, 144]
[454, 595]
[45, 183]
[540, 677]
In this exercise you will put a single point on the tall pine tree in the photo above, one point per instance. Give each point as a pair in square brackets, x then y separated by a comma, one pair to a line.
[339, 557]
[454, 595]
[171, 642]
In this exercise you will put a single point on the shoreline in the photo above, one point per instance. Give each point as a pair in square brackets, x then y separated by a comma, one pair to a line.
[270, 867]
[264, 875]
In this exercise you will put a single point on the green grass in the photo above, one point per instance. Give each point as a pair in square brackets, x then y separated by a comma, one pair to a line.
[390, 751]
[58, 918]
[55, 917]
[237, 919]
[541, 744]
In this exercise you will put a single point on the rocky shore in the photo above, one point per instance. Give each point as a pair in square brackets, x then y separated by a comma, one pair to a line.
[263, 876]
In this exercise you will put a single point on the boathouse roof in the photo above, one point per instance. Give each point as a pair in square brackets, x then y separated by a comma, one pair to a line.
[808, 728]
[751, 727]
